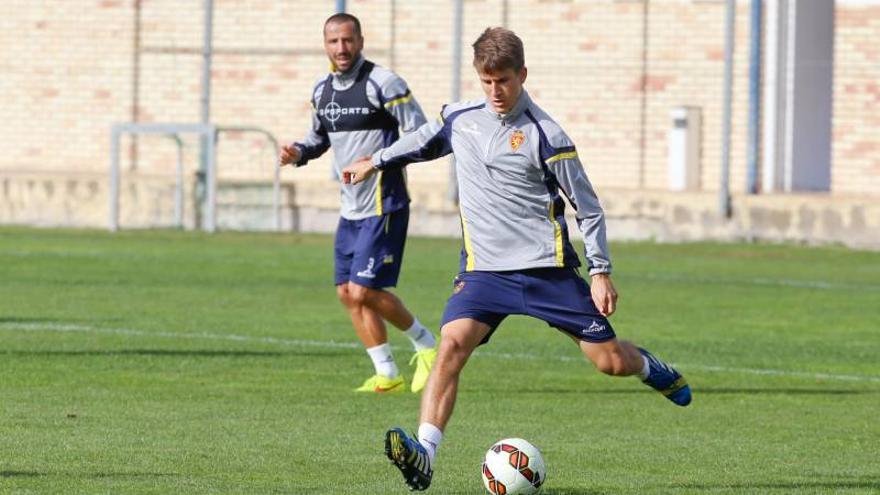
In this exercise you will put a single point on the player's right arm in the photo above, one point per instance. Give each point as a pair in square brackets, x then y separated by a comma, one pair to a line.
[314, 145]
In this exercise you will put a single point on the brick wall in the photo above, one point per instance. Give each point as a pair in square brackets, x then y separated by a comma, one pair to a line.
[856, 126]
[608, 70]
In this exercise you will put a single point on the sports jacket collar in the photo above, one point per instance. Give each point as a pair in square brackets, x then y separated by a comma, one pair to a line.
[521, 105]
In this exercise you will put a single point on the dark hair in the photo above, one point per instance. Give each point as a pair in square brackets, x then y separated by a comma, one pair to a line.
[498, 49]
[343, 17]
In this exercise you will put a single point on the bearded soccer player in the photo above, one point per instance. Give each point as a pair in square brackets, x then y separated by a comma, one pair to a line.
[358, 109]
[514, 164]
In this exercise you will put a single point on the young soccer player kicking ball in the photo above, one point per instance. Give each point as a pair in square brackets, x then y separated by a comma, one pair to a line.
[514, 165]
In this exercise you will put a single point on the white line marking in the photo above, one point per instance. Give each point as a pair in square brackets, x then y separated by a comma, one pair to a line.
[330, 344]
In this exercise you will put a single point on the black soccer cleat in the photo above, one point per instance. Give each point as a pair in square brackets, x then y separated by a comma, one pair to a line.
[411, 459]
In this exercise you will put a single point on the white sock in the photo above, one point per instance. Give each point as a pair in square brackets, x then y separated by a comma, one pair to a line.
[421, 337]
[383, 361]
[646, 370]
[430, 437]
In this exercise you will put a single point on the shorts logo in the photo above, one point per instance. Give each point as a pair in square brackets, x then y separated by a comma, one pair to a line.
[516, 139]
[389, 259]
[459, 285]
[368, 273]
[594, 328]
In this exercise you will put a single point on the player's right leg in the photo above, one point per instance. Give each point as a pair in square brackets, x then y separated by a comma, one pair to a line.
[370, 329]
[375, 266]
[414, 457]
[479, 303]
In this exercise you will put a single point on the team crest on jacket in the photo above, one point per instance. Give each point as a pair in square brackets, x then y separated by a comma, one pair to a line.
[517, 139]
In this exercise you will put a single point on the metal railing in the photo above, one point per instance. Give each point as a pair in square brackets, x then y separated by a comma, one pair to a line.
[276, 180]
[208, 133]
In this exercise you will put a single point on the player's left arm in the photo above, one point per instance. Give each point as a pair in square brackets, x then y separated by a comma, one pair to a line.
[428, 142]
[402, 105]
[569, 172]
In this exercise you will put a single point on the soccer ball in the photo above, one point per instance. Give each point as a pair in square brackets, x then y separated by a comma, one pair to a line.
[513, 466]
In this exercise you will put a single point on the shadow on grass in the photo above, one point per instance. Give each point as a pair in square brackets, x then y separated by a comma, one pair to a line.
[35, 474]
[20, 474]
[130, 475]
[558, 490]
[785, 391]
[701, 391]
[178, 353]
[568, 490]
[792, 485]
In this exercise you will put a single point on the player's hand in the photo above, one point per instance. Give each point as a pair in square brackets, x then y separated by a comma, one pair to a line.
[289, 154]
[604, 295]
[358, 171]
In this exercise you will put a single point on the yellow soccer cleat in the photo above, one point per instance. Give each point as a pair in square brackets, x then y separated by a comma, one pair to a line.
[382, 384]
[423, 360]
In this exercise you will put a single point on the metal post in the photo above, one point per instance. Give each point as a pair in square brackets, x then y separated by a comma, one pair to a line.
[207, 55]
[136, 78]
[276, 148]
[754, 97]
[643, 94]
[340, 5]
[207, 47]
[114, 180]
[276, 195]
[392, 51]
[456, 85]
[210, 135]
[178, 188]
[724, 190]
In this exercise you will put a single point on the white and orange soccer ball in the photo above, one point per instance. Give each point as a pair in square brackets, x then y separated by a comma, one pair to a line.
[513, 466]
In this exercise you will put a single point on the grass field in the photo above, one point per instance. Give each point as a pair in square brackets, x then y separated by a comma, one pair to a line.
[171, 363]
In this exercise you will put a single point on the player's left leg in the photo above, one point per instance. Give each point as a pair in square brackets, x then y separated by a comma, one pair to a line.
[622, 358]
[562, 298]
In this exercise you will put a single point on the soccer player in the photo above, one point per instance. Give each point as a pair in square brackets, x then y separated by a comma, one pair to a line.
[358, 109]
[514, 166]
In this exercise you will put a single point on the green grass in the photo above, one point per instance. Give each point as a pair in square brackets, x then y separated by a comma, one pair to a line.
[166, 362]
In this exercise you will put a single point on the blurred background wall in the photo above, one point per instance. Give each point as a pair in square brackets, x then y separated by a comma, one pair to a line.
[610, 71]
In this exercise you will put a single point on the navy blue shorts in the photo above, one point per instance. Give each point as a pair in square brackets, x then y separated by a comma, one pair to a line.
[369, 252]
[559, 296]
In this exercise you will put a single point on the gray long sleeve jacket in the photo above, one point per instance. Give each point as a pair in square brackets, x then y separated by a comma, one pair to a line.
[357, 113]
[512, 171]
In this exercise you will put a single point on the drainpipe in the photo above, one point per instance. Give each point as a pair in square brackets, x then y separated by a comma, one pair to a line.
[754, 97]
[206, 140]
[724, 190]
[456, 86]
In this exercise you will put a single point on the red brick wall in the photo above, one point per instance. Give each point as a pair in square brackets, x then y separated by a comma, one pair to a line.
[68, 72]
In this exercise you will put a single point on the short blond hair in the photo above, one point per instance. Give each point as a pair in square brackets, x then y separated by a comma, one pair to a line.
[498, 49]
